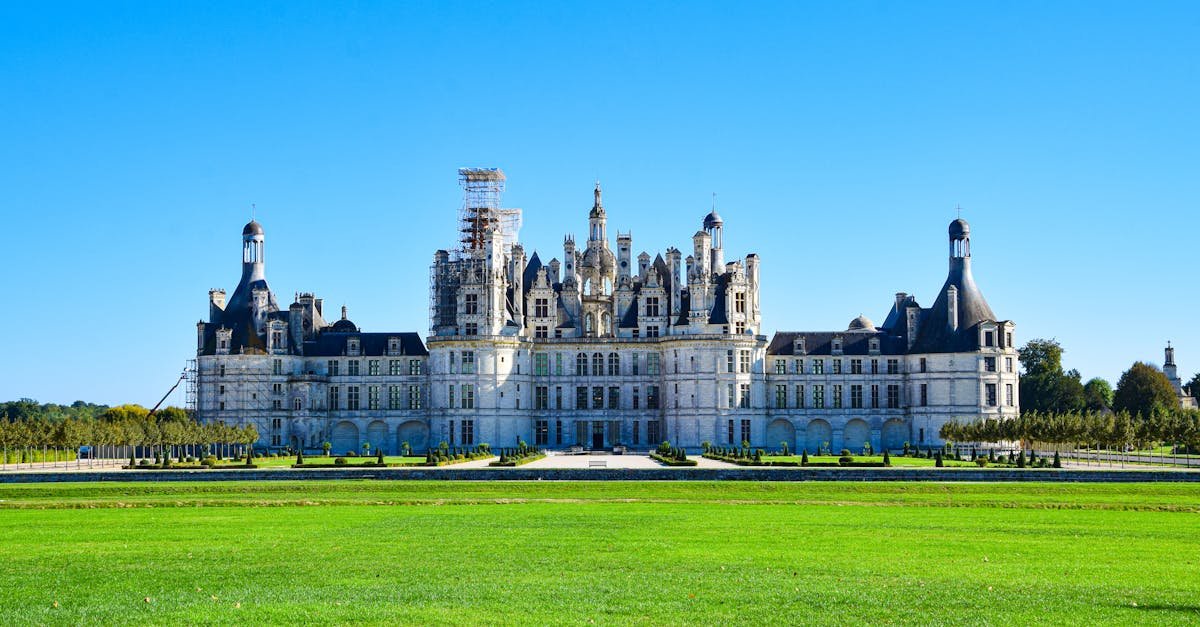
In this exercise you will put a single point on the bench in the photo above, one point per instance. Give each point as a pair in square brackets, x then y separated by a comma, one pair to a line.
[597, 463]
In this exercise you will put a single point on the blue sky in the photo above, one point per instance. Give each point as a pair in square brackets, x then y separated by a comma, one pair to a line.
[839, 138]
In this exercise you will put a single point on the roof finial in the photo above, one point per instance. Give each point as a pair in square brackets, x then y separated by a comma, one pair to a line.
[343, 312]
[714, 201]
[597, 193]
[252, 208]
[958, 210]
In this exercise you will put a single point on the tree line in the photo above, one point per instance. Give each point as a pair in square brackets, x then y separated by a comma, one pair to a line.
[1046, 387]
[1101, 430]
[122, 431]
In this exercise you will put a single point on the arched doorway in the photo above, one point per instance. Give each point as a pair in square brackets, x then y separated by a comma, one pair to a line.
[856, 436]
[415, 433]
[781, 431]
[818, 436]
[377, 435]
[895, 434]
[344, 438]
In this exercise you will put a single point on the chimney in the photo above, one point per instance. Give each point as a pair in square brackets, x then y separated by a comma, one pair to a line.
[952, 307]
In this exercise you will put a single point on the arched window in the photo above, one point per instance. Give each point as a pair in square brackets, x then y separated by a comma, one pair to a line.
[589, 324]
[614, 365]
[597, 365]
[605, 324]
[580, 364]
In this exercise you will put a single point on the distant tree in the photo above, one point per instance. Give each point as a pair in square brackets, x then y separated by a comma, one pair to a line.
[1098, 394]
[1044, 385]
[1144, 390]
[1193, 387]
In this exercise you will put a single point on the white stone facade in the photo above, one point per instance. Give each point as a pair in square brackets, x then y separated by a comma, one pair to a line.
[598, 350]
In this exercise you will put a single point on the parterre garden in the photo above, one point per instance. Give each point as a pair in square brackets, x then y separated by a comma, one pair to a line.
[610, 552]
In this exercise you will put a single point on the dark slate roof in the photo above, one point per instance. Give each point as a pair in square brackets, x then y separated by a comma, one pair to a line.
[630, 319]
[333, 344]
[934, 335]
[685, 306]
[717, 315]
[896, 321]
[821, 343]
[531, 272]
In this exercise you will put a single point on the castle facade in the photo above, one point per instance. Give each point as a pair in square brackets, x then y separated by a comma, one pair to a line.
[599, 349]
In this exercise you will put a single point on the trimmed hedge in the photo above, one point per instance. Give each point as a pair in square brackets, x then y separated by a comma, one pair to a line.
[514, 462]
[669, 461]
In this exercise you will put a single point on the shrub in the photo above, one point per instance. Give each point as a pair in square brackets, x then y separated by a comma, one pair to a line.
[887, 459]
[379, 456]
[1057, 460]
[351, 454]
[846, 458]
[340, 461]
[937, 460]
[804, 458]
[982, 462]
[299, 458]
[1021, 459]
[143, 462]
[846, 453]
[1032, 456]
[209, 461]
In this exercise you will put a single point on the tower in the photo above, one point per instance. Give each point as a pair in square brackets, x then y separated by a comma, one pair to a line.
[597, 220]
[253, 252]
[715, 227]
[1171, 370]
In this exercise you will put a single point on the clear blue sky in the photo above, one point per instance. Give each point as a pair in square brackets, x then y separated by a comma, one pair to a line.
[838, 136]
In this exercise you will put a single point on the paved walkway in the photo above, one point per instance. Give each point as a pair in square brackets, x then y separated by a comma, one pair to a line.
[633, 460]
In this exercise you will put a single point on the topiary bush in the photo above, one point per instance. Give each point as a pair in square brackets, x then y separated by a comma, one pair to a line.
[340, 461]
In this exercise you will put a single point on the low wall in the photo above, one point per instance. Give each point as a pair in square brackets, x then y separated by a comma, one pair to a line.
[615, 474]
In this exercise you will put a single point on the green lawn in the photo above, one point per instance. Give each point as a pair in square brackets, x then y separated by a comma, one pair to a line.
[560, 552]
[286, 462]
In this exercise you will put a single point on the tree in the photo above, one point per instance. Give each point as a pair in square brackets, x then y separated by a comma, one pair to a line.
[1192, 387]
[1098, 394]
[1044, 385]
[1144, 390]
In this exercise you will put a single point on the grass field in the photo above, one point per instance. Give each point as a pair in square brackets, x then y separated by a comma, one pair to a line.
[286, 462]
[897, 460]
[560, 552]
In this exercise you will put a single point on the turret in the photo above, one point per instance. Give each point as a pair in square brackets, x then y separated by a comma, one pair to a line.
[216, 304]
[624, 244]
[597, 220]
[715, 226]
[253, 252]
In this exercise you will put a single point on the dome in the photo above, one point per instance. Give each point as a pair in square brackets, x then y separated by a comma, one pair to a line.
[861, 323]
[343, 326]
[252, 228]
[713, 219]
[959, 228]
[600, 258]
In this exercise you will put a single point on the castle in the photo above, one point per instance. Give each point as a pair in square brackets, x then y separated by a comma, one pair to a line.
[600, 349]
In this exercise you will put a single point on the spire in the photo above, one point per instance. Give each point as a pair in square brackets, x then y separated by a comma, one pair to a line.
[343, 312]
[598, 204]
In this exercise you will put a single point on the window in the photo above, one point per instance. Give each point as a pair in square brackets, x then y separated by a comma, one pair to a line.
[352, 368]
[990, 389]
[276, 366]
[819, 396]
[837, 396]
[221, 370]
[222, 406]
[637, 398]
[781, 396]
[352, 398]
[393, 397]
[744, 395]
[1008, 339]
[541, 364]
[558, 397]
[468, 397]
[597, 397]
[729, 432]
[636, 433]
[818, 366]
[581, 397]
[652, 434]
[541, 331]
[558, 368]
[614, 365]
[633, 363]
[468, 432]
[331, 367]
[373, 367]
[451, 431]
[334, 397]
[414, 366]
[580, 365]
[297, 404]
[856, 398]
[541, 397]
[597, 365]
[855, 366]
[780, 366]
[614, 397]
[652, 363]
[558, 432]
[745, 430]
[989, 338]
[652, 331]
[277, 389]
[394, 368]
[450, 396]
[471, 328]
[924, 394]
[739, 302]
[989, 364]
[1008, 364]
[893, 366]
[652, 403]
[837, 366]
[414, 397]
[800, 397]
[541, 308]
[652, 307]
[470, 304]
[729, 361]
[468, 362]
[744, 361]
[373, 397]
[1008, 394]
[893, 396]
[276, 404]
[874, 366]
[541, 432]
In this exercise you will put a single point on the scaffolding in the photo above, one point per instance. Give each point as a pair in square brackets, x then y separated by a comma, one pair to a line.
[190, 402]
[481, 213]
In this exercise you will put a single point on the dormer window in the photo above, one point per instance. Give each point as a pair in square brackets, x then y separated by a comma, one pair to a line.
[393, 345]
[874, 348]
[837, 345]
[989, 338]
[352, 346]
